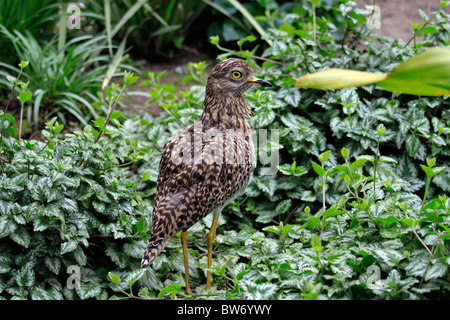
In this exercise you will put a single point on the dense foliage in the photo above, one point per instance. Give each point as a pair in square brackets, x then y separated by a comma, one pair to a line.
[357, 208]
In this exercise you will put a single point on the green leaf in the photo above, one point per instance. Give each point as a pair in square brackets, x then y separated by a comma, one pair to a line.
[407, 221]
[318, 169]
[387, 159]
[274, 229]
[108, 92]
[50, 294]
[443, 180]
[100, 121]
[314, 222]
[431, 162]
[254, 291]
[267, 185]
[80, 256]
[425, 74]
[115, 115]
[286, 229]
[114, 278]
[264, 117]
[58, 128]
[130, 79]
[25, 277]
[88, 291]
[170, 290]
[436, 270]
[389, 256]
[427, 170]
[381, 129]
[21, 236]
[68, 246]
[415, 147]
[7, 225]
[323, 157]
[388, 221]
[117, 256]
[23, 64]
[344, 152]
[214, 40]
[299, 170]
[10, 118]
[283, 206]
[316, 243]
[249, 38]
[24, 96]
[285, 169]
[332, 212]
[134, 276]
[53, 264]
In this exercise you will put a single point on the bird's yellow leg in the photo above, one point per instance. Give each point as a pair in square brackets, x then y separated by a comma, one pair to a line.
[210, 242]
[184, 239]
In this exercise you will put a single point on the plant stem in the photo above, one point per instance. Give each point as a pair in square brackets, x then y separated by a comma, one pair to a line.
[420, 240]
[20, 121]
[375, 170]
[111, 108]
[4, 116]
[432, 252]
[323, 202]
[425, 195]
[314, 26]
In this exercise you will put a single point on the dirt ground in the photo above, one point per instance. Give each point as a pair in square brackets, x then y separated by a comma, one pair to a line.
[397, 14]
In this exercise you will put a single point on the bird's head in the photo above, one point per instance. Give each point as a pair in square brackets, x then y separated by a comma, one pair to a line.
[233, 77]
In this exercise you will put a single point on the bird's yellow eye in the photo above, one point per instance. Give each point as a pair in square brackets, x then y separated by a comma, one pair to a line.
[235, 74]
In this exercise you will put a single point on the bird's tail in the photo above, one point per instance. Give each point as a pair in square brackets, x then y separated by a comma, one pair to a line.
[154, 248]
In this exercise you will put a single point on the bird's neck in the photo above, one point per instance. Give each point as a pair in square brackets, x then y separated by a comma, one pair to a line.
[226, 111]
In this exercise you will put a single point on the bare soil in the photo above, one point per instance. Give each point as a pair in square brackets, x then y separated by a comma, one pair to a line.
[397, 14]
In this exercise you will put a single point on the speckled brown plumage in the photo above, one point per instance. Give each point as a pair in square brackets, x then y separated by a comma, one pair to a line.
[207, 164]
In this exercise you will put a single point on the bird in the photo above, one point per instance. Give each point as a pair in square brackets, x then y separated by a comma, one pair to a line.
[206, 165]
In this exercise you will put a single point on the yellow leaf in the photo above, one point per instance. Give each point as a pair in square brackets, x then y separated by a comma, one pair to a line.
[338, 79]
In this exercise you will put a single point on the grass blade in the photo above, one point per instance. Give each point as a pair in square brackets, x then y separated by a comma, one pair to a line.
[62, 36]
[107, 6]
[115, 63]
[250, 18]
[39, 94]
[127, 16]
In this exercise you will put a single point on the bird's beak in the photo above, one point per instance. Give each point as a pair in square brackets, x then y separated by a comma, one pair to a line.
[260, 82]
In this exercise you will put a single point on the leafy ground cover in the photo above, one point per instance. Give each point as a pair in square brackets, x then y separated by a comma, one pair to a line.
[357, 208]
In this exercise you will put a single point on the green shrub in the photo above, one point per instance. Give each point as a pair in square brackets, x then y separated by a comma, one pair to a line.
[69, 204]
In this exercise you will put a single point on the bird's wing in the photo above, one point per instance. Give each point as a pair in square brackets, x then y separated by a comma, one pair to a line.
[198, 172]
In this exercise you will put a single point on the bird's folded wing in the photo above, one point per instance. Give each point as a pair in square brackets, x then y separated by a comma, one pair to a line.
[197, 175]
